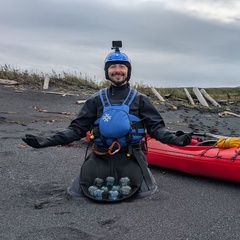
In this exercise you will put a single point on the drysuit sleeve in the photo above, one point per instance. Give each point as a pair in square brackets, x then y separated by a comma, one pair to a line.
[80, 125]
[156, 126]
[74, 132]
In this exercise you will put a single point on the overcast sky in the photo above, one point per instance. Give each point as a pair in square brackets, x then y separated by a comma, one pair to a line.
[171, 43]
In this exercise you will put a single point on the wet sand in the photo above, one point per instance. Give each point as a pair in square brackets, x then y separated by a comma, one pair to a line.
[34, 203]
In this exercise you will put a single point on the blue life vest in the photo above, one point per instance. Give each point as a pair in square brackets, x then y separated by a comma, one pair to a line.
[116, 124]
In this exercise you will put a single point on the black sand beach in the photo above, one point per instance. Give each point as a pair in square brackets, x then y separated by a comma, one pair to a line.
[34, 204]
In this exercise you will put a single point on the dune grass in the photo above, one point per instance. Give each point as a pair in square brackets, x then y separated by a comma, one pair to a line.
[68, 81]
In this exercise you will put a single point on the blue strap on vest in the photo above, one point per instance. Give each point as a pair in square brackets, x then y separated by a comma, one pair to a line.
[116, 124]
[105, 100]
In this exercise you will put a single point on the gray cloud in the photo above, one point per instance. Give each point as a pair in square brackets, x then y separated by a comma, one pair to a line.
[168, 47]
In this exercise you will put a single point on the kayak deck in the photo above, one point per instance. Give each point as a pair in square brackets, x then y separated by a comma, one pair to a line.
[207, 161]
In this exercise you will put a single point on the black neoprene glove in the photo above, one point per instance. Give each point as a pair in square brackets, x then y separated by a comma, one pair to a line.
[181, 140]
[39, 142]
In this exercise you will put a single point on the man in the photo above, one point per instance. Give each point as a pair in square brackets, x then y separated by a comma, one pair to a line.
[116, 152]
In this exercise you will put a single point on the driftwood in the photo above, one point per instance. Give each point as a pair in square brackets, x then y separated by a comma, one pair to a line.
[60, 93]
[46, 82]
[189, 97]
[209, 98]
[81, 101]
[161, 99]
[46, 111]
[8, 82]
[225, 113]
[200, 97]
[65, 94]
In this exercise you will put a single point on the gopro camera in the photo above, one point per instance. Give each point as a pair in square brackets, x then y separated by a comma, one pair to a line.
[116, 45]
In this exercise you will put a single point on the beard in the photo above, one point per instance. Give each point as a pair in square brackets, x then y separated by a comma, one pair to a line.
[117, 82]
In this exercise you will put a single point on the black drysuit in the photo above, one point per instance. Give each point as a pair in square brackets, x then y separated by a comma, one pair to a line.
[117, 165]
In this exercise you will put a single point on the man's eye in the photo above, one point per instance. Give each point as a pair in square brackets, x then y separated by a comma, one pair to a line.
[122, 66]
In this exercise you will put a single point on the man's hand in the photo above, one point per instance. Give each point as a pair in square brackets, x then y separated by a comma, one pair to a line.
[35, 141]
[182, 140]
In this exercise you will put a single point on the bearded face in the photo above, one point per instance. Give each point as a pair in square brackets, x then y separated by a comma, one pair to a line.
[118, 74]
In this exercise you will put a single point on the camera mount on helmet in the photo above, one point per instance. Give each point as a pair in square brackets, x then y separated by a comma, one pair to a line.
[116, 45]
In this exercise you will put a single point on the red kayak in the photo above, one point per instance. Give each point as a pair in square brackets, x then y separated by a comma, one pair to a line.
[197, 159]
[200, 158]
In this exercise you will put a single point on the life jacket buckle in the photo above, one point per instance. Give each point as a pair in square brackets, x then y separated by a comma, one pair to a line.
[115, 143]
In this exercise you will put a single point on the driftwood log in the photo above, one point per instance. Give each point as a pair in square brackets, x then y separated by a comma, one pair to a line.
[60, 93]
[37, 108]
[225, 113]
[189, 96]
[200, 97]
[81, 101]
[8, 82]
[209, 98]
[46, 82]
[161, 99]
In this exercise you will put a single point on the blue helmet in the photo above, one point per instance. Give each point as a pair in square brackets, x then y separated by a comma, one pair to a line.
[117, 57]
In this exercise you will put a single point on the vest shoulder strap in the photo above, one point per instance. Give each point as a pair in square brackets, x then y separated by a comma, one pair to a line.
[131, 95]
[128, 100]
[104, 97]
